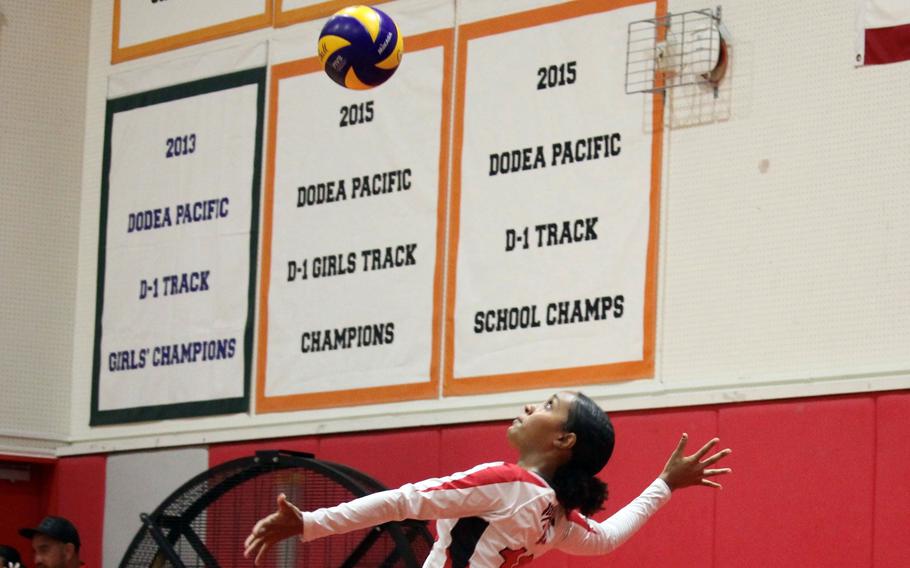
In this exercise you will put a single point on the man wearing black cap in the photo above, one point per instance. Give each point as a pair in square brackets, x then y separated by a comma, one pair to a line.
[9, 556]
[56, 543]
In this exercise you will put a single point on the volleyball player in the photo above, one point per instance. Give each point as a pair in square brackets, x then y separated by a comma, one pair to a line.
[501, 514]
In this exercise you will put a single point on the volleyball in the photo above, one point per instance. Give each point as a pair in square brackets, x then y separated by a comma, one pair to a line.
[360, 47]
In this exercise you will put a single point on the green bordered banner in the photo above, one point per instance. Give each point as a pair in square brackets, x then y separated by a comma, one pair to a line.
[177, 249]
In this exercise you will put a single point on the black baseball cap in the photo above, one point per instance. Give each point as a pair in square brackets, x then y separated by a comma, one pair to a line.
[57, 528]
[9, 554]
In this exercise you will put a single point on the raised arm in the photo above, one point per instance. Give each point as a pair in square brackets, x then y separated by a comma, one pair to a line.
[586, 537]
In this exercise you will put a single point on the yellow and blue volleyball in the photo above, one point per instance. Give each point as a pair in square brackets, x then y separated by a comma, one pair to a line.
[360, 47]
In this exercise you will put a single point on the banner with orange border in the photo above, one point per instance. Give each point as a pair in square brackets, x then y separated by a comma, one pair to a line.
[147, 27]
[555, 202]
[288, 12]
[353, 231]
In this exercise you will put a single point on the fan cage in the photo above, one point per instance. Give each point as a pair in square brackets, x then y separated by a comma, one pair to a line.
[672, 50]
[206, 520]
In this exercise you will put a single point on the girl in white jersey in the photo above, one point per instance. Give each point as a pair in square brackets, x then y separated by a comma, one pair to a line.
[502, 515]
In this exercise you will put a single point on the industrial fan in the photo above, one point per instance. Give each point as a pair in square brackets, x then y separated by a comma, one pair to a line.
[204, 522]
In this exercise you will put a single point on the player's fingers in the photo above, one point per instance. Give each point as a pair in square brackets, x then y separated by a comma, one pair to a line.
[262, 549]
[256, 544]
[263, 523]
[717, 456]
[260, 528]
[704, 449]
[283, 505]
[681, 446]
[250, 547]
[713, 472]
[253, 534]
[711, 484]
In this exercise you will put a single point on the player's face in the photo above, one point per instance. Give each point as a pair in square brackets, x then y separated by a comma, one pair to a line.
[49, 552]
[540, 424]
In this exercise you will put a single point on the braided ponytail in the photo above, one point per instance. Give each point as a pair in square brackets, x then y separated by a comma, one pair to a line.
[574, 482]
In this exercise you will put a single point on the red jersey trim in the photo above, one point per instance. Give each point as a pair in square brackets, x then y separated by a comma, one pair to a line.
[578, 519]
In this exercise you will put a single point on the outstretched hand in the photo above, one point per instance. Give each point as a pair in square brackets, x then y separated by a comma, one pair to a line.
[283, 523]
[684, 471]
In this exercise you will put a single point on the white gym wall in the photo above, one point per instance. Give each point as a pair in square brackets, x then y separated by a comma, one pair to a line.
[783, 261]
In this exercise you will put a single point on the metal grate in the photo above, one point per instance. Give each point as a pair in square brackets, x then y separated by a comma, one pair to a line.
[673, 50]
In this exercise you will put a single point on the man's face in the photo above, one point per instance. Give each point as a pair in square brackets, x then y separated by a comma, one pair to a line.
[51, 553]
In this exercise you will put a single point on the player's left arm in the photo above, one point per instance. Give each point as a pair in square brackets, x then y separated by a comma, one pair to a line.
[586, 536]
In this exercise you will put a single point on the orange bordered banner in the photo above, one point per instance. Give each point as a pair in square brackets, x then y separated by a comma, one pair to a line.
[288, 12]
[147, 27]
[555, 203]
[353, 229]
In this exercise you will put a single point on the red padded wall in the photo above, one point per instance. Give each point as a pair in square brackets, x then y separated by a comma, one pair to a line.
[394, 458]
[817, 482]
[23, 503]
[644, 440]
[891, 542]
[78, 493]
[463, 447]
[802, 495]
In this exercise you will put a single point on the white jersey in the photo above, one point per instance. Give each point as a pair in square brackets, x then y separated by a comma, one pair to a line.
[496, 515]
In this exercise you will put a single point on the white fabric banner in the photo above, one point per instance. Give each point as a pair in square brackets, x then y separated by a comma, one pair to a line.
[143, 21]
[554, 212]
[175, 256]
[355, 278]
[327, 6]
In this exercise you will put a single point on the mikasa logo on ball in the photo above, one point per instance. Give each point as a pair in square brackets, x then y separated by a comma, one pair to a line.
[339, 63]
[385, 43]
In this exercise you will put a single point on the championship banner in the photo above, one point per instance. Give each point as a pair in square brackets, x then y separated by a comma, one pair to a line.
[556, 180]
[145, 27]
[289, 12]
[353, 229]
[177, 248]
[883, 31]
